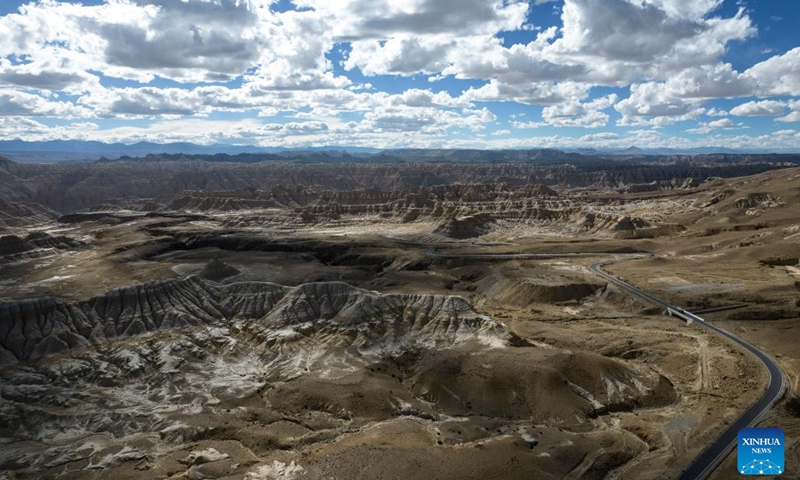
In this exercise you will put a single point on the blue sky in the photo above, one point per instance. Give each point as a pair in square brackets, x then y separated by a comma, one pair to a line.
[403, 73]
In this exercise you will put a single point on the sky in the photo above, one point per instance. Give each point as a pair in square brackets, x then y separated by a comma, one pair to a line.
[403, 73]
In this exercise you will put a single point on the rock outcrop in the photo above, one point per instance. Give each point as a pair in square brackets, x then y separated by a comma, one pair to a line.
[465, 227]
[755, 201]
[34, 245]
[69, 188]
[16, 214]
[270, 315]
[216, 270]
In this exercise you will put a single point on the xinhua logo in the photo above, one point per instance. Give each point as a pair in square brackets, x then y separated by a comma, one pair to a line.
[760, 451]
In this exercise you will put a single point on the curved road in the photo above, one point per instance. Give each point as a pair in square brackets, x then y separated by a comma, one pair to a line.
[705, 463]
[710, 458]
[508, 256]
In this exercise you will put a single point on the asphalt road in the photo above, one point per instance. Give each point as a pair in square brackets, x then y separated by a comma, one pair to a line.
[705, 463]
[710, 458]
[509, 256]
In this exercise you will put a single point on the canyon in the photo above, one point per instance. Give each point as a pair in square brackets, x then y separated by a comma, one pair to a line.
[407, 314]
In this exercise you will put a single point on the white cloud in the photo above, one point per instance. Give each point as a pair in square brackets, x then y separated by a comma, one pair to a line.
[185, 41]
[119, 38]
[764, 108]
[709, 81]
[527, 125]
[621, 30]
[47, 74]
[722, 123]
[144, 101]
[17, 103]
[531, 93]
[794, 116]
[200, 131]
[778, 75]
[361, 19]
[707, 47]
[295, 128]
[684, 9]
[652, 104]
[425, 98]
[680, 97]
[60, 60]
[788, 132]
[250, 131]
[706, 127]
[403, 56]
[197, 41]
[13, 127]
[608, 43]
[576, 114]
[424, 120]
[599, 137]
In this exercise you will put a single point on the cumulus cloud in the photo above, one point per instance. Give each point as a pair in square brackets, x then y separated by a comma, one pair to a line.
[599, 137]
[188, 41]
[778, 75]
[621, 30]
[684, 9]
[706, 127]
[794, 116]
[43, 75]
[516, 65]
[145, 101]
[404, 56]
[577, 114]
[14, 127]
[425, 120]
[533, 93]
[526, 125]
[608, 43]
[363, 19]
[17, 103]
[652, 104]
[764, 108]
[681, 96]
[183, 60]
[295, 128]
[709, 81]
[426, 98]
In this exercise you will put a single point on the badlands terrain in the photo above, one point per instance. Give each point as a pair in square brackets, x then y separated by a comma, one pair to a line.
[413, 314]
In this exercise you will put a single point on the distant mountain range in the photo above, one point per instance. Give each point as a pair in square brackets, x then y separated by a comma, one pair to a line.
[57, 151]
[674, 151]
[72, 151]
